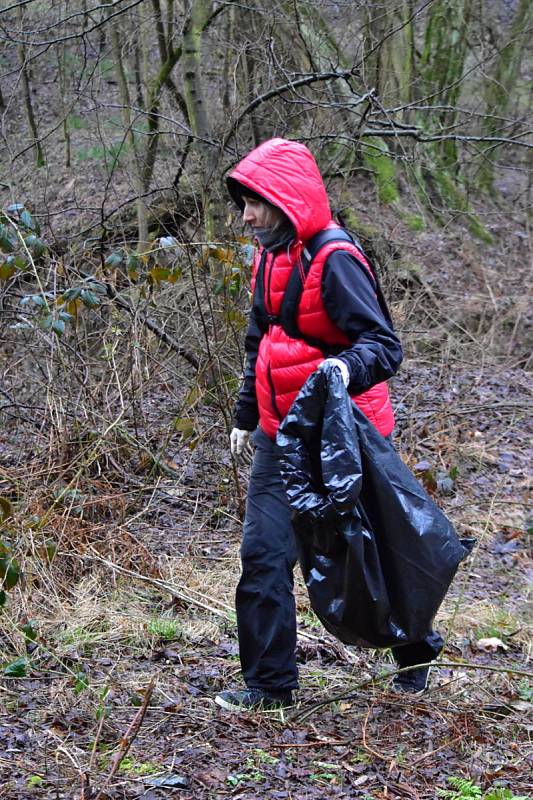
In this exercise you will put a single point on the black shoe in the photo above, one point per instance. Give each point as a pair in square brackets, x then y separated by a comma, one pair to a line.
[413, 681]
[253, 700]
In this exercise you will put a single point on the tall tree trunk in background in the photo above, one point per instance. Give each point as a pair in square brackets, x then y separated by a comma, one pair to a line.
[501, 84]
[250, 74]
[389, 68]
[441, 68]
[228, 95]
[200, 11]
[26, 89]
[318, 50]
[143, 156]
[137, 69]
[314, 48]
[170, 54]
[62, 72]
[129, 137]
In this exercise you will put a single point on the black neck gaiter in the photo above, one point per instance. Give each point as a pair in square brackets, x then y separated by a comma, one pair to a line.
[278, 236]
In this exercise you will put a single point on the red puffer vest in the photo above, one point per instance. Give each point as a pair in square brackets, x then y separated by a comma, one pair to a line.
[285, 173]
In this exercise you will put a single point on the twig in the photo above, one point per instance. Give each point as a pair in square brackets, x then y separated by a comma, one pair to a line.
[325, 743]
[300, 716]
[85, 787]
[95, 744]
[127, 740]
[432, 752]
[365, 743]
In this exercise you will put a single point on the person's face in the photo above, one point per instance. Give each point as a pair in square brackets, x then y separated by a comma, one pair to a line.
[258, 214]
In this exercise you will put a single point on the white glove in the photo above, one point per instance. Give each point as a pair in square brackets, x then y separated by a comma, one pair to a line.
[238, 441]
[336, 362]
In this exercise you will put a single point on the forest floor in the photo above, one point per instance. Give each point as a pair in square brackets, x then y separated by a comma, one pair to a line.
[134, 621]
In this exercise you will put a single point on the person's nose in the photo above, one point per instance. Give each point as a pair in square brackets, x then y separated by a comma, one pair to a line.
[248, 216]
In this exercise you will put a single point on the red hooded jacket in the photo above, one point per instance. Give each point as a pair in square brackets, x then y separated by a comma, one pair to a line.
[286, 175]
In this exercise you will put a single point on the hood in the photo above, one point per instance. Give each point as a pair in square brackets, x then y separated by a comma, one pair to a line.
[286, 174]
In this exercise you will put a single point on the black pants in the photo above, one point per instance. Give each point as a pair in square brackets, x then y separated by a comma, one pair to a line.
[266, 613]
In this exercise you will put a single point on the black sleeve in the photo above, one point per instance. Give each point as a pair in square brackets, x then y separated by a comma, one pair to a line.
[246, 414]
[350, 298]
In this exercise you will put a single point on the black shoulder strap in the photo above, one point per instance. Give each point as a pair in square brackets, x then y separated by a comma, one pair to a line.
[337, 235]
[293, 292]
[342, 235]
[322, 238]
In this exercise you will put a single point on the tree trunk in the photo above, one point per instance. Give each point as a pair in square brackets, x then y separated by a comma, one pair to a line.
[26, 89]
[441, 67]
[63, 90]
[200, 10]
[500, 86]
[142, 215]
[228, 99]
[389, 67]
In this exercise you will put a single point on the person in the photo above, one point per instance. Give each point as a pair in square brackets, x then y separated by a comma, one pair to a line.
[342, 319]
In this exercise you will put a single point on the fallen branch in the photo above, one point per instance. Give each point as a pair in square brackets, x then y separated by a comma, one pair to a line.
[127, 740]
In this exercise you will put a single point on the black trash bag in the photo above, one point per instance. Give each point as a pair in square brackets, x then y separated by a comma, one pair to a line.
[377, 554]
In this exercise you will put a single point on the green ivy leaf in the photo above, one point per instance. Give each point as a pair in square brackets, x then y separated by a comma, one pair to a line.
[39, 248]
[114, 259]
[16, 668]
[21, 326]
[47, 322]
[89, 298]
[158, 274]
[81, 682]
[185, 425]
[65, 316]
[71, 294]
[96, 286]
[34, 780]
[37, 300]
[29, 631]
[36, 245]
[9, 572]
[27, 220]
[6, 509]
[7, 245]
[7, 269]
[58, 326]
